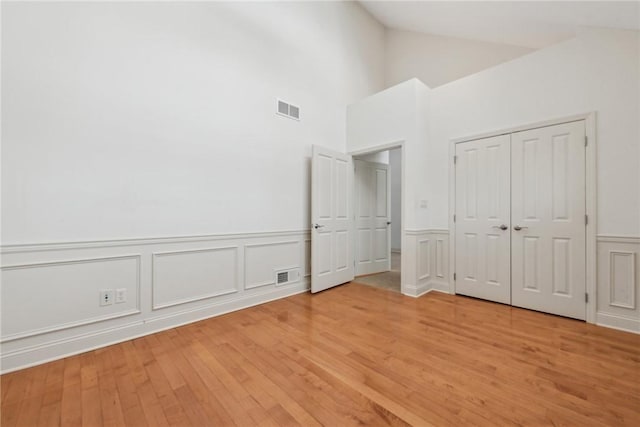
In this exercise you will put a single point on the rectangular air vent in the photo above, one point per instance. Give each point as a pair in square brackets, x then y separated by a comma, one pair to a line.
[284, 277]
[287, 110]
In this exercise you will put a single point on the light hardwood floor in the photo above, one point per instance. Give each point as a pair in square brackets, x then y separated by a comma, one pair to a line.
[351, 355]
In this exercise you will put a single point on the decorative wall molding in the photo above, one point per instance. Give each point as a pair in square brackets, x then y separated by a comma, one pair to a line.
[16, 296]
[622, 277]
[181, 279]
[276, 260]
[169, 281]
[55, 246]
[428, 269]
[618, 282]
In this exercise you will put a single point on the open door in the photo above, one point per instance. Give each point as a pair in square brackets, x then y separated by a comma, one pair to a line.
[332, 217]
[372, 218]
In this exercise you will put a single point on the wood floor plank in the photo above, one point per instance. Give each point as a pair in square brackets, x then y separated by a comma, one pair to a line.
[352, 355]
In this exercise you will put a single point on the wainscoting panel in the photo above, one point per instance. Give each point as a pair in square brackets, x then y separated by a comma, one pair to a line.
[618, 282]
[265, 259]
[427, 267]
[424, 259]
[43, 297]
[191, 275]
[51, 292]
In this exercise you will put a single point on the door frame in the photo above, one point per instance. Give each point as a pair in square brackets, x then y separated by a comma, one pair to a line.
[399, 144]
[590, 193]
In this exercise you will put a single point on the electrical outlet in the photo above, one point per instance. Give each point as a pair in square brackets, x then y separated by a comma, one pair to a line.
[121, 295]
[106, 297]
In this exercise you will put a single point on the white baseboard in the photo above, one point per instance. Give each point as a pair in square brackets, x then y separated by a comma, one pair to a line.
[168, 281]
[618, 322]
[50, 351]
[440, 286]
[415, 291]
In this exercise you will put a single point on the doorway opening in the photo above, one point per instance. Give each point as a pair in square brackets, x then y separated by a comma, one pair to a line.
[378, 219]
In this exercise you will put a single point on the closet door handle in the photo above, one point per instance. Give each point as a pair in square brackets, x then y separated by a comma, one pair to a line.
[501, 227]
[518, 228]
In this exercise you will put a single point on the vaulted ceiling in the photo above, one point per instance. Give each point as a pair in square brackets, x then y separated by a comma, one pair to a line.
[532, 24]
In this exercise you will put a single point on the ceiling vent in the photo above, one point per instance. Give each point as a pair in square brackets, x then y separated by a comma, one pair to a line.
[287, 110]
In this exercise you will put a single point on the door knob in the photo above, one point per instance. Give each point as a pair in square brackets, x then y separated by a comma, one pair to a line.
[388, 222]
[518, 228]
[501, 227]
[316, 226]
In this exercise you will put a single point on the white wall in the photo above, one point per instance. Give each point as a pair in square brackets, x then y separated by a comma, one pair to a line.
[437, 60]
[597, 71]
[398, 115]
[126, 120]
[137, 121]
[395, 173]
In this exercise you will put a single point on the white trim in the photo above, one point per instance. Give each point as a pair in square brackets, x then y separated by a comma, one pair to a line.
[417, 291]
[590, 191]
[404, 252]
[82, 322]
[82, 335]
[520, 128]
[156, 255]
[378, 148]
[419, 254]
[618, 322]
[54, 246]
[612, 279]
[54, 350]
[248, 286]
[421, 231]
[618, 239]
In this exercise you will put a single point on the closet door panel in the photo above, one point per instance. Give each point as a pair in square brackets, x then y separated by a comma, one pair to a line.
[482, 219]
[548, 219]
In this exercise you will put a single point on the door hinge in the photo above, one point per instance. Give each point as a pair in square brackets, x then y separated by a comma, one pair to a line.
[586, 220]
[586, 297]
[455, 159]
[454, 217]
[454, 277]
[586, 140]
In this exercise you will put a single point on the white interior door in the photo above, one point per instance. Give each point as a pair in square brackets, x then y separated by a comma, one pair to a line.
[482, 219]
[332, 217]
[373, 217]
[548, 219]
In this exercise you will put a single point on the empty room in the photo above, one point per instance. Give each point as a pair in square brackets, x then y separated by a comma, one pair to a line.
[231, 213]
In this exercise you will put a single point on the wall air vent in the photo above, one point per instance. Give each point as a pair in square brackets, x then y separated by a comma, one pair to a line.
[284, 277]
[287, 110]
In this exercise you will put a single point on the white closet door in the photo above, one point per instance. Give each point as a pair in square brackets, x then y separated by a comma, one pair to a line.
[373, 212]
[332, 216]
[548, 219]
[482, 219]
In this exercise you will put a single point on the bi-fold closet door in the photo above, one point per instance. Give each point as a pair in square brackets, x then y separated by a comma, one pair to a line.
[520, 219]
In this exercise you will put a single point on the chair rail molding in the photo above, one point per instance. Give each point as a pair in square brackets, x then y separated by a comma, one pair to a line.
[618, 287]
[169, 281]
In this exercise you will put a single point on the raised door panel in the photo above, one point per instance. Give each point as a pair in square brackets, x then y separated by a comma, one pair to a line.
[482, 219]
[548, 218]
[332, 217]
[373, 246]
